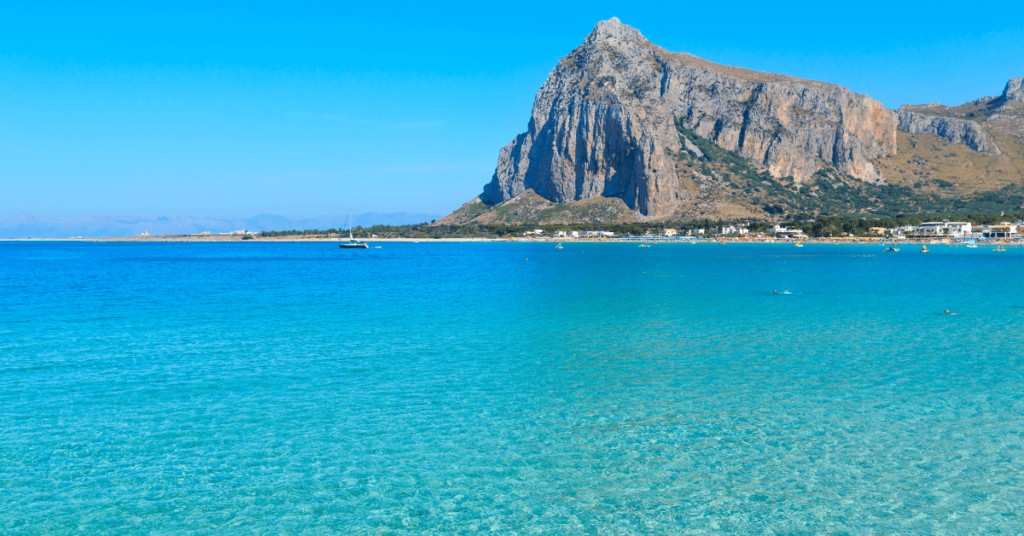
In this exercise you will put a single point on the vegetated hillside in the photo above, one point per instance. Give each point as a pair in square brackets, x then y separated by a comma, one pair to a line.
[530, 208]
[922, 184]
[623, 130]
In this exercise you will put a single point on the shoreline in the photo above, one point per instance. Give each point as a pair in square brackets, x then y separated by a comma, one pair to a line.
[521, 240]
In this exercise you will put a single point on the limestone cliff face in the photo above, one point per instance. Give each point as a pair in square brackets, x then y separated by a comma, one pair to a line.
[1014, 90]
[974, 124]
[955, 130]
[604, 123]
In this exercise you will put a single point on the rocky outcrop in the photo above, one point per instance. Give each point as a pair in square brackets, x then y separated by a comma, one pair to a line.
[622, 119]
[975, 123]
[1014, 90]
[604, 124]
[954, 130]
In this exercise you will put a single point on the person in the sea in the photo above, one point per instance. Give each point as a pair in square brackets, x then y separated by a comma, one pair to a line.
[948, 312]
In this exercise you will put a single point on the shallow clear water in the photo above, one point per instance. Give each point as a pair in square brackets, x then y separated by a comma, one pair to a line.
[458, 388]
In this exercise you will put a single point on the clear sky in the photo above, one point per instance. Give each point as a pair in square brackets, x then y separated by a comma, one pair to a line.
[300, 109]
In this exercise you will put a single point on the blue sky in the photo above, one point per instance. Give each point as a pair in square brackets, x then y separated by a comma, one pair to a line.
[302, 109]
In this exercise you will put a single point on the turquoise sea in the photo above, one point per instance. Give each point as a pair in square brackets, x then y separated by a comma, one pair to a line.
[437, 388]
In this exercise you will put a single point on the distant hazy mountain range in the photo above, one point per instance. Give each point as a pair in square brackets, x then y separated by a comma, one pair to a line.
[38, 225]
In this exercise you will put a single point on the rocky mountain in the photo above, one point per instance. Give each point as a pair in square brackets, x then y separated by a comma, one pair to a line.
[650, 134]
[1003, 114]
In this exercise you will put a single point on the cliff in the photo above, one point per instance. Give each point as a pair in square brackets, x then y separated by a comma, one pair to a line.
[604, 123]
[622, 129]
[961, 131]
[1014, 90]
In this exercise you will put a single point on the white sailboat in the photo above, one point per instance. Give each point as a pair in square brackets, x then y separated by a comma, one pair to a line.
[352, 243]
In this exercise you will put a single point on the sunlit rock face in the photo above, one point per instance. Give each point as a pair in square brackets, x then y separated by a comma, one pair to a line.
[604, 124]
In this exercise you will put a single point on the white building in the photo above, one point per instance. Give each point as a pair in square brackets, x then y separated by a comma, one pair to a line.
[729, 229]
[785, 232]
[933, 227]
[1003, 230]
[574, 234]
[559, 234]
[606, 234]
[669, 232]
[958, 229]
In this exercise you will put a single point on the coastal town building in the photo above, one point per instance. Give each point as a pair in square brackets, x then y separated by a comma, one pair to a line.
[1003, 230]
[902, 231]
[957, 229]
[669, 232]
[730, 229]
[785, 232]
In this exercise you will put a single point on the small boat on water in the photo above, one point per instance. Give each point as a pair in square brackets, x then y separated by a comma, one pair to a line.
[352, 243]
[924, 248]
[645, 245]
[799, 244]
[892, 248]
[559, 246]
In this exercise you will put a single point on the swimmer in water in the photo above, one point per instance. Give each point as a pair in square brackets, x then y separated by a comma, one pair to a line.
[775, 291]
[948, 312]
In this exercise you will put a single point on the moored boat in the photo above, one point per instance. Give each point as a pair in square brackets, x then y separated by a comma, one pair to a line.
[352, 243]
